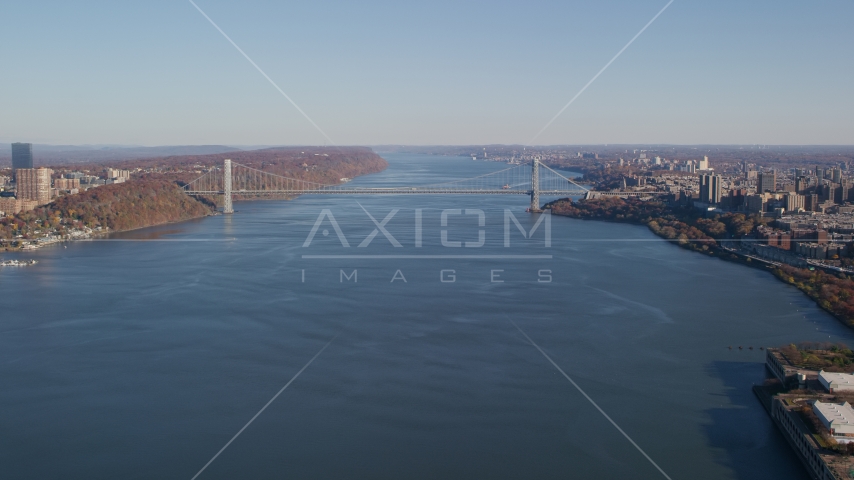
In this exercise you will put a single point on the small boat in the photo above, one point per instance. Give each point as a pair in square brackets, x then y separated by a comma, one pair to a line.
[16, 263]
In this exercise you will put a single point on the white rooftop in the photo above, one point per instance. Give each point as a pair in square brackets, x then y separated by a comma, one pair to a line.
[836, 414]
[837, 379]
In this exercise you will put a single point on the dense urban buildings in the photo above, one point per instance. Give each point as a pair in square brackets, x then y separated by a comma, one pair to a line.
[30, 187]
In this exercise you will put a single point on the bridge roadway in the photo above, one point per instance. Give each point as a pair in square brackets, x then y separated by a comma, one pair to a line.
[417, 191]
[390, 191]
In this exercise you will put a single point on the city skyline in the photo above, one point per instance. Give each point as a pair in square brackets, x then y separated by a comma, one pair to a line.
[763, 73]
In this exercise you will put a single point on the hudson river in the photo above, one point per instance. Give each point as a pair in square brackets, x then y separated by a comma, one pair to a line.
[142, 356]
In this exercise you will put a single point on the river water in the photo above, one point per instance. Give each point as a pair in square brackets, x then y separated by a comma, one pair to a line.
[142, 356]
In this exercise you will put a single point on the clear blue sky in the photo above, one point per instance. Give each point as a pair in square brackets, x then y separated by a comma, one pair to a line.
[431, 72]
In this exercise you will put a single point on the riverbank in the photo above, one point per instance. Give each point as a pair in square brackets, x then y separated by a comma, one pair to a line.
[688, 229]
[138, 203]
[154, 196]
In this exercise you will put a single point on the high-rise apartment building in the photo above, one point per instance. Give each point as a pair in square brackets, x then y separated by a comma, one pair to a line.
[115, 175]
[811, 203]
[22, 155]
[710, 188]
[690, 166]
[66, 183]
[754, 203]
[841, 194]
[794, 202]
[766, 182]
[11, 205]
[828, 192]
[34, 184]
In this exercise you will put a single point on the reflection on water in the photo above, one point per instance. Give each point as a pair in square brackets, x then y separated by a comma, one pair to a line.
[740, 411]
[228, 226]
[149, 233]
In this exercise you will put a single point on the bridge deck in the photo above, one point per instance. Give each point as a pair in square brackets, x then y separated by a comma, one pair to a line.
[387, 191]
[240, 180]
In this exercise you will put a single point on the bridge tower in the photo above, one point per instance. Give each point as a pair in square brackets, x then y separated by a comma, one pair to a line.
[226, 184]
[535, 186]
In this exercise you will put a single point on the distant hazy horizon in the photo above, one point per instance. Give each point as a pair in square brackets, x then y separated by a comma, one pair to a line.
[438, 73]
[55, 155]
[5, 144]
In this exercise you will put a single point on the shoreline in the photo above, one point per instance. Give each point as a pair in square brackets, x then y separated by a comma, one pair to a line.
[97, 235]
[100, 228]
[714, 249]
[103, 234]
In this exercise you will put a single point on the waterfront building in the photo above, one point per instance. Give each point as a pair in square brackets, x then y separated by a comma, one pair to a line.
[22, 155]
[785, 410]
[34, 184]
[836, 382]
[801, 439]
[838, 418]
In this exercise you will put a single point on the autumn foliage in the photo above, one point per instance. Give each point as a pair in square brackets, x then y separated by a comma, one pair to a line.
[121, 206]
[155, 196]
[834, 294]
[684, 225]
